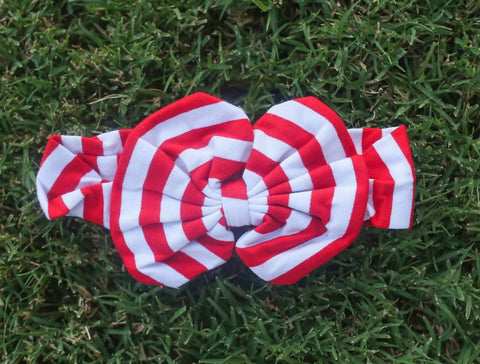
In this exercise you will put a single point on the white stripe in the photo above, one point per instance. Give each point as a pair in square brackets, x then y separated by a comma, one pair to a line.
[388, 131]
[219, 232]
[111, 142]
[343, 197]
[74, 201]
[213, 189]
[53, 166]
[370, 211]
[401, 172]
[227, 148]
[258, 209]
[271, 147]
[297, 174]
[301, 183]
[88, 179]
[288, 157]
[138, 165]
[49, 172]
[174, 188]
[357, 137]
[107, 201]
[169, 209]
[77, 210]
[202, 255]
[73, 143]
[107, 166]
[176, 183]
[145, 260]
[211, 220]
[212, 114]
[300, 201]
[315, 124]
[130, 207]
[236, 211]
[208, 210]
[254, 184]
[134, 179]
[174, 234]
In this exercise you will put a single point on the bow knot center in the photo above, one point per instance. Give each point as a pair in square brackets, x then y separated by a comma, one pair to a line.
[235, 203]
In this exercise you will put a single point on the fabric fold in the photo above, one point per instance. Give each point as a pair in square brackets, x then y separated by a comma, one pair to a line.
[391, 176]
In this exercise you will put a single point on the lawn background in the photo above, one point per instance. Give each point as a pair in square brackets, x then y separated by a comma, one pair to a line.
[86, 67]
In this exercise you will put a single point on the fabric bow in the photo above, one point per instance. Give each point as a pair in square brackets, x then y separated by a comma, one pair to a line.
[171, 189]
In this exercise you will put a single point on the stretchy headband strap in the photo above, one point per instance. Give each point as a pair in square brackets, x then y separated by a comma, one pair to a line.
[76, 173]
[391, 176]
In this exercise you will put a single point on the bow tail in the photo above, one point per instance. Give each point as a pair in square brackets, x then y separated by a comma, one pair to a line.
[76, 173]
[391, 176]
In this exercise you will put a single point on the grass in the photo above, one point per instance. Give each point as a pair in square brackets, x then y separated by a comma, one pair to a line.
[85, 67]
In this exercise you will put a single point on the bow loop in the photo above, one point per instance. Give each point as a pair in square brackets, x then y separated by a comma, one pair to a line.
[305, 164]
[167, 196]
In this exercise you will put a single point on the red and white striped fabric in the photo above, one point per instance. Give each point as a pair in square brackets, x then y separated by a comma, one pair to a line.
[76, 173]
[172, 188]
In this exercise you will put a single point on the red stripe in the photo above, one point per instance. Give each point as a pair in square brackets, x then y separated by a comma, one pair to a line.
[193, 229]
[322, 109]
[269, 224]
[383, 186]
[69, 178]
[92, 146]
[93, 203]
[157, 241]
[370, 136]
[56, 208]
[91, 160]
[185, 265]
[321, 204]
[124, 134]
[260, 164]
[224, 169]
[192, 202]
[235, 189]
[220, 248]
[200, 177]
[149, 217]
[401, 137]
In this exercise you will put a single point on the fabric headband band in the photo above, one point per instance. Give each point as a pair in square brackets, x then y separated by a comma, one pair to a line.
[171, 189]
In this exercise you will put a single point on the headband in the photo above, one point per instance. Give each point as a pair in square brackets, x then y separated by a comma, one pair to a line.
[171, 189]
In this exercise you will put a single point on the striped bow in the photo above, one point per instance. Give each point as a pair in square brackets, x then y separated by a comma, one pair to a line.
[172, 188]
